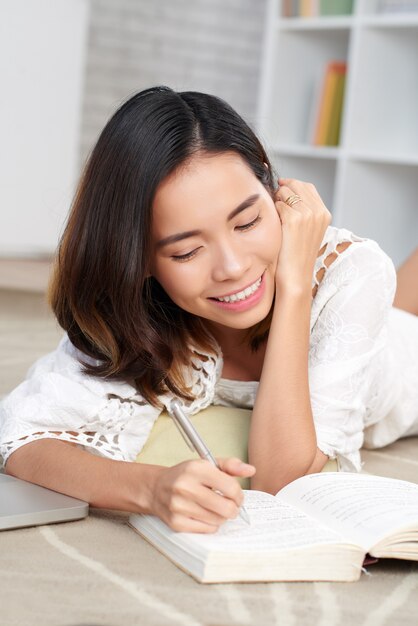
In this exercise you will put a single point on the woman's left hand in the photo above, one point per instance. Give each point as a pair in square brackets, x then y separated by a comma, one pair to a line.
[303, 228]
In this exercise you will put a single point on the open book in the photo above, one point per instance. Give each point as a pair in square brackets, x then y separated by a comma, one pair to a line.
[318, 527]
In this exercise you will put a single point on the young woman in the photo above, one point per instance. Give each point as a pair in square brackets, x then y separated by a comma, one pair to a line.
[184, 270]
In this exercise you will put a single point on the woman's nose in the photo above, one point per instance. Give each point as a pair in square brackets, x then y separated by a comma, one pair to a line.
[230, 263]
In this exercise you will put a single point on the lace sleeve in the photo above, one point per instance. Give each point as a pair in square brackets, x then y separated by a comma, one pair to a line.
[58, 401]
[346, 342]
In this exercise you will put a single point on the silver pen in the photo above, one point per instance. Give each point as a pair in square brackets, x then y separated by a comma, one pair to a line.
[196, 443]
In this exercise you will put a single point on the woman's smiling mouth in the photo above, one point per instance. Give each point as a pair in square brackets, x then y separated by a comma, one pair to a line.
[244, 299]
[240, 295]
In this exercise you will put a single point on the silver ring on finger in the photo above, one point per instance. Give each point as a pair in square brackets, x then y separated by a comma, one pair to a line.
[291, 200]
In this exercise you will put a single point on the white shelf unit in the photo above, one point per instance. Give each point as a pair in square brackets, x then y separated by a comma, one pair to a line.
[369, 181]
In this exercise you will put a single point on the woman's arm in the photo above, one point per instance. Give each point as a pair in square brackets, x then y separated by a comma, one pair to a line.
[406, 296]
[101, 482]
[282, 440]
[49, 421]
[183, 496]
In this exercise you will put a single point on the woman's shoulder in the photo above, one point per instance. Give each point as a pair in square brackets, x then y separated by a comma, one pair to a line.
[344, 255]
[352, 270]
[63, 370]
[334, 238]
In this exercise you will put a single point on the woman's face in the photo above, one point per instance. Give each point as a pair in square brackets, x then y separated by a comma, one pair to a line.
[216, 232]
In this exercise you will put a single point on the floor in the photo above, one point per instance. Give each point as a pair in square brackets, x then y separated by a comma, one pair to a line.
[25, 274]
[27, 331]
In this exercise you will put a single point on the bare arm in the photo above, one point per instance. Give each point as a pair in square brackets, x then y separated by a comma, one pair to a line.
[406, 296]
[183, 496]
[102, 482]
[282, 441]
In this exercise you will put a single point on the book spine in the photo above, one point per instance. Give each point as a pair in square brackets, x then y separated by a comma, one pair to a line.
[315, 8]
[287, 10]
[333, 134]
[305, 8]
[315, 107]
[328, 91]
[290, 8]
[336, 7]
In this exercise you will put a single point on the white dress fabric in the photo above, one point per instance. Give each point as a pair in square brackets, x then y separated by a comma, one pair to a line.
[363, 374]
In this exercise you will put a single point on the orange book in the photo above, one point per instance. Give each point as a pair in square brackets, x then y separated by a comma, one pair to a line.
[305, 8]
[328, 99]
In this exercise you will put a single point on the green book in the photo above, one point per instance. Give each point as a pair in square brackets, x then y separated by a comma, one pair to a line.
[336, 7]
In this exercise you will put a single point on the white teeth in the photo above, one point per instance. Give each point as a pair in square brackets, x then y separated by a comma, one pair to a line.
[242, 295]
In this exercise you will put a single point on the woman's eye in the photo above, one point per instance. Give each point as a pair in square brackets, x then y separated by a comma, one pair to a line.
[250, 224]
[190, 255]
[185, 257]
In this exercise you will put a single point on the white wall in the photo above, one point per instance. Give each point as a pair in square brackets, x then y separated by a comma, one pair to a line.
[42, 59]
[202, 45]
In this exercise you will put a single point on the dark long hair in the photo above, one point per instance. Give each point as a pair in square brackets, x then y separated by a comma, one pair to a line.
[99, 291]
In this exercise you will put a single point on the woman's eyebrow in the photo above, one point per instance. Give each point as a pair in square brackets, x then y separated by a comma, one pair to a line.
[192, 233]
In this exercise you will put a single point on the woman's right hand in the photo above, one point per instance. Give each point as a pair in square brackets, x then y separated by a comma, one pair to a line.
[303, 228]
[185, 498]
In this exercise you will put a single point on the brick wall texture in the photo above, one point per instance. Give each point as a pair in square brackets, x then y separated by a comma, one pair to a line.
[202, 45]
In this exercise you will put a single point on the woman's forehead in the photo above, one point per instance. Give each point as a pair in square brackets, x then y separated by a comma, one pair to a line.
[204, 186]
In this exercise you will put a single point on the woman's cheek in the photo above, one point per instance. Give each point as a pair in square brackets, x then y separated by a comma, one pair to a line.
[272, 237]
[185, 281]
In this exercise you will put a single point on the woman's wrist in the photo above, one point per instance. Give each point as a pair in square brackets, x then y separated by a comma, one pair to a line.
[139, 492]
[293, 291]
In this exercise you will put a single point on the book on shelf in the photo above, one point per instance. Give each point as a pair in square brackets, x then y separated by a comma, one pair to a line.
[318, 528]
[327, 106]
[316, 8]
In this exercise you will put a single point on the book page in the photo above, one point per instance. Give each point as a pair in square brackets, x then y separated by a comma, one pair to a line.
[275, 525]
[363, 508]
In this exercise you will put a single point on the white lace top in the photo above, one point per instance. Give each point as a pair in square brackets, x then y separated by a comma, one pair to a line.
[363, 371]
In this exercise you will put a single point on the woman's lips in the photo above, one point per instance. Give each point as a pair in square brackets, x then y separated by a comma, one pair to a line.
[243, 305]
[232, 293]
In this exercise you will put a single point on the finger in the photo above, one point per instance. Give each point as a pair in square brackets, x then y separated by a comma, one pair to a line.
[284, 193]
[235, 467]
[207, 507]
[204, 473]
[305, 189]
[216, 507]
[291, 183]
[218, 480]
[184, 524]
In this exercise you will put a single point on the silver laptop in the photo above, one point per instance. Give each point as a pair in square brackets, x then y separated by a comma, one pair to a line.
[26, 504]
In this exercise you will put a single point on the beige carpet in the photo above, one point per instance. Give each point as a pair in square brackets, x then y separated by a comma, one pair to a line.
[99, 572]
